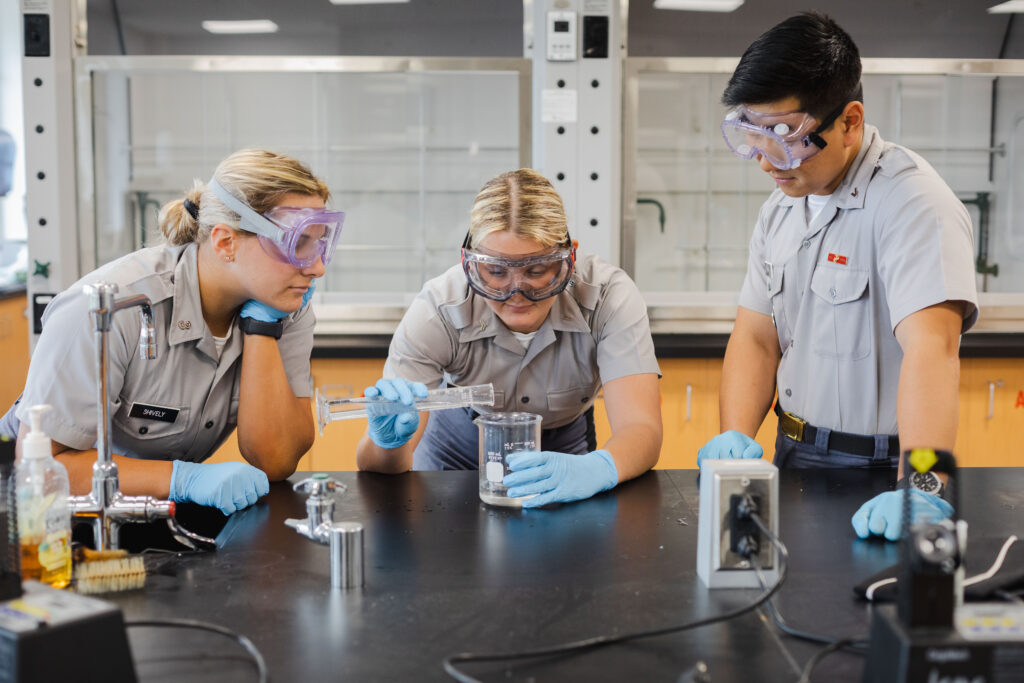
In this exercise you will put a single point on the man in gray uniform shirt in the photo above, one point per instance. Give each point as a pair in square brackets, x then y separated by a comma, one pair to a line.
[860, 279]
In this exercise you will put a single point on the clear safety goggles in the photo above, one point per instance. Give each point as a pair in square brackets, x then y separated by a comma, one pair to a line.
[785, 139]
[294, 235]
[535, 276]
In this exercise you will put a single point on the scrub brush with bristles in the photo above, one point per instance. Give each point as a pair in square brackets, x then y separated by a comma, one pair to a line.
[107, 571]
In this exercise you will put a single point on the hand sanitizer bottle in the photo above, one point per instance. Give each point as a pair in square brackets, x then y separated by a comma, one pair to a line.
[44, 519]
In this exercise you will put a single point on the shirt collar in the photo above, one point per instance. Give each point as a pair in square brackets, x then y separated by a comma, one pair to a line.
[850, 193]
[187, 323]
[852, 190]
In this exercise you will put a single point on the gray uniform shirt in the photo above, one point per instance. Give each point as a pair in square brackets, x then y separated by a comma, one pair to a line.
[893, 239]
[597, 331]
[196, 392]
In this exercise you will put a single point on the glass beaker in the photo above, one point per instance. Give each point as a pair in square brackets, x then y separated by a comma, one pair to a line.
[502, 434]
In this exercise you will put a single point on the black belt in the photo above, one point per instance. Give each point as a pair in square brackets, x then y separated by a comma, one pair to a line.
[857, 444]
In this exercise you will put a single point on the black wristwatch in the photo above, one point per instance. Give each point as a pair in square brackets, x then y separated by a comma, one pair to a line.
[928, 482]
[253, 326]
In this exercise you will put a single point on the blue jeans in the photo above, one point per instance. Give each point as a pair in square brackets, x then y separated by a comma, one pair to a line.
[798, 455]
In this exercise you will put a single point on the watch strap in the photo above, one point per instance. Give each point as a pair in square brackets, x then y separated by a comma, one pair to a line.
[253, 326]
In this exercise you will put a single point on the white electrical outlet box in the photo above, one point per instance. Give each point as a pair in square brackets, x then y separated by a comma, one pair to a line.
[718, 565]
[561, 36]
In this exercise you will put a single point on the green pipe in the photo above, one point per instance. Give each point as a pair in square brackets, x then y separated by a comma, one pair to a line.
[661, 210]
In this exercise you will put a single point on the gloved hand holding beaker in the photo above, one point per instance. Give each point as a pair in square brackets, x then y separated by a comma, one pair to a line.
[559, 477]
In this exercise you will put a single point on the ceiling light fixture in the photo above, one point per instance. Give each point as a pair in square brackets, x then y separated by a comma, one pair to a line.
[248, 26]
[698, 5]
[1009, 7]
[367, 2]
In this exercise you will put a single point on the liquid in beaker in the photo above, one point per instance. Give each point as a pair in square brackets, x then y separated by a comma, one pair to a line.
[502, 434]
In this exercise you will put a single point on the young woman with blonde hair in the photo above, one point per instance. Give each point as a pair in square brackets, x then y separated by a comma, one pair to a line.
[549, 330]
[230, 296]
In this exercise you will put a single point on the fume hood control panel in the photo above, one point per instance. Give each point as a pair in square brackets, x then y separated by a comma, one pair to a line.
[561, 36]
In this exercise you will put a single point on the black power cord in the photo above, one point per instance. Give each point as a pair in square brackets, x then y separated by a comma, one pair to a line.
[261, 665]
[747, 508]
[805, 675]
[797, 633]
[450, 662]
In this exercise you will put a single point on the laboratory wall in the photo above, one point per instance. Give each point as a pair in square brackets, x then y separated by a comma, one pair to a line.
[425, 28]
[493, 28]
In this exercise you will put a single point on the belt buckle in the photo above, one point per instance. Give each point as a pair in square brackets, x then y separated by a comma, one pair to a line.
[792, 426]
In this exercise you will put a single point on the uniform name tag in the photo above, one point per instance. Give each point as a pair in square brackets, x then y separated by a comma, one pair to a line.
[158, 413]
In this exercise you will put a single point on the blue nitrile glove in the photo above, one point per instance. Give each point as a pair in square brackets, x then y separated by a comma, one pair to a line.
[730, 445]
[559, 477]
[228, 486]
[882, 514]
[268, 314]
[392, 431]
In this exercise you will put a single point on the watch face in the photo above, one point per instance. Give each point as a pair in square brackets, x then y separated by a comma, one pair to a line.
[928, 482]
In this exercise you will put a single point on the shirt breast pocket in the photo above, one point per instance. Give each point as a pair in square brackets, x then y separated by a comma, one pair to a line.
[148, 437]
[841, 327]
[569, 402]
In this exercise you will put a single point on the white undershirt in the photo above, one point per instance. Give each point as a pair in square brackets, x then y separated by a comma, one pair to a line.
[525, 337]
[220, 342]
[815, 203]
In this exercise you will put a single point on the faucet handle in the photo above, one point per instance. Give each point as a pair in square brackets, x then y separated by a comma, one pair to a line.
[319, 485]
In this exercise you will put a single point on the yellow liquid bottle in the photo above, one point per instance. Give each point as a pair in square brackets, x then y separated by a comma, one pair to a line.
[48, 561]
[44, 518]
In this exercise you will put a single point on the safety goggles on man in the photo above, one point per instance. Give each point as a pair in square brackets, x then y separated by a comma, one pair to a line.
[785, 139]
[294, 235]
[535, 276]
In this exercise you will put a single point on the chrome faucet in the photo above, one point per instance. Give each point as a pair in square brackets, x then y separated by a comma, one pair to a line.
[344, 538]
[105, 508]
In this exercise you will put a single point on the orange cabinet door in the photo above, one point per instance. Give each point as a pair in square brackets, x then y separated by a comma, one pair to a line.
[991, 425]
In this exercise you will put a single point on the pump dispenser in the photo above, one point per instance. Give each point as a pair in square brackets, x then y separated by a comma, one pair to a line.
[44, 518]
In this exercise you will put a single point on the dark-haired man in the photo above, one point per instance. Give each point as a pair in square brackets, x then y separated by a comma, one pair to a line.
[860, 279]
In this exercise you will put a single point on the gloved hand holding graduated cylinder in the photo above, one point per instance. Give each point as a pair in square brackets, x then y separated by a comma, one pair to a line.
[559, 477]
[393, 417]
[387, 399]
[883, 514]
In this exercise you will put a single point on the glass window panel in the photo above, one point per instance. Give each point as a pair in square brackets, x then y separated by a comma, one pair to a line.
[403, 153]
[969, 127]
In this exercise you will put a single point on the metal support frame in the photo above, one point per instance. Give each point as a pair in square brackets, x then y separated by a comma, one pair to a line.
[53, 34]
[577, 115]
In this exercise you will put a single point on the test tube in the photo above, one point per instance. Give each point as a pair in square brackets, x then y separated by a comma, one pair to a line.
[330, 409]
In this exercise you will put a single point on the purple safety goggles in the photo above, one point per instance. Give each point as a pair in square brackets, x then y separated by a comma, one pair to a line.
[294, 235]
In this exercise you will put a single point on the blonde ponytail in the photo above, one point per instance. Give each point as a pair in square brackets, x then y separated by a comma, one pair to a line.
[176, 222]
[258, 177]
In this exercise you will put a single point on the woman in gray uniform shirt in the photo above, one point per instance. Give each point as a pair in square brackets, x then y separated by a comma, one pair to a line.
[234, 331]
[547, 330]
